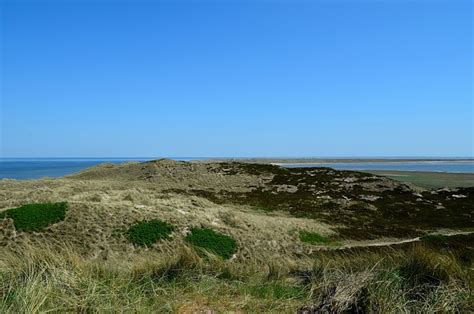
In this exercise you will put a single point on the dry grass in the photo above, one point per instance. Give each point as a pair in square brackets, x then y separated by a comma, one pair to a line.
[101, 212]
[55, 278]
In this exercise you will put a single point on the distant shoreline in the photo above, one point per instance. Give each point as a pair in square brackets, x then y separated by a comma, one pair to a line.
[275, 160]
[305, 161]
[360, 161]
[35, 169]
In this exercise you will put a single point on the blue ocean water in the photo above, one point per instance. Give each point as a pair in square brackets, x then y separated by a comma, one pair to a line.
[39, 168]
[26, 168]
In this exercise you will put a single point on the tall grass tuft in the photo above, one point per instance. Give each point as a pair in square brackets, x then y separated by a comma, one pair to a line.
[37, 277]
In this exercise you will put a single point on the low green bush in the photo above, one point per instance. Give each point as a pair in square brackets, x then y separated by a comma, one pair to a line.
[213, 242]
[36, 217]
[146, 233]
[316, 238]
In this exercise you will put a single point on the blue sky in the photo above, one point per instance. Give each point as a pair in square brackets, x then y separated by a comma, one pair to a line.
[253, 78]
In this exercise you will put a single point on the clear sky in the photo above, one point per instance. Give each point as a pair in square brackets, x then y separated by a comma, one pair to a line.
[234, 78]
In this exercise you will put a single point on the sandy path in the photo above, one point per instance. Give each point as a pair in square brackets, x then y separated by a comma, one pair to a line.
[389, 243]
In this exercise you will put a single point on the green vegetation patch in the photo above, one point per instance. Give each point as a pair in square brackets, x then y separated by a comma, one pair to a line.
[146, 233]
[36, 217]
[316, 238]
[275, 290]
[213, 242]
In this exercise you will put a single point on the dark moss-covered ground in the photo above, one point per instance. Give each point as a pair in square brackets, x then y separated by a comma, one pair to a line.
[364, 206]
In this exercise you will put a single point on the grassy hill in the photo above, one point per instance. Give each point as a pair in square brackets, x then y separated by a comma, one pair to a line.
[233, 236]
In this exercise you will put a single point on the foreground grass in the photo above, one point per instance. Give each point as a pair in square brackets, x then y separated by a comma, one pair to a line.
[410, 278]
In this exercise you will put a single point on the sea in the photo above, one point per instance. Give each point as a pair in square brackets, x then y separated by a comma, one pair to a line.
[36, 168]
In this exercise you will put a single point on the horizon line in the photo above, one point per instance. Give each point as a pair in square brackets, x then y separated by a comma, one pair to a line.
[249, 157]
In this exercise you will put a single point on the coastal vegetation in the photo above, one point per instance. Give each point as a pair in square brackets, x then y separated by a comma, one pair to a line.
[213, 242]
[316, 238]
[148, 232]
[36, 217]
[167, 236]
[407, 278]
[365, 205]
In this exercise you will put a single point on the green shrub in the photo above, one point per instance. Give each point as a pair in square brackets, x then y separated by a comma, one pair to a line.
[213, 242]
[146, 233]
[36, 217]
[316, 238]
